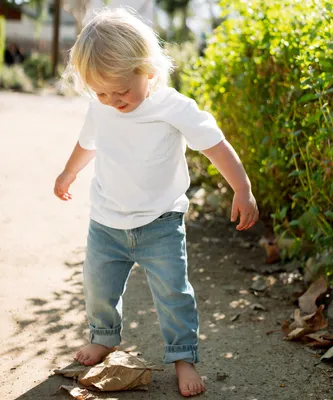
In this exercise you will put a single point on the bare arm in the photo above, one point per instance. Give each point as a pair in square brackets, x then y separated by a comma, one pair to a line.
[79, 158]
[225, 159]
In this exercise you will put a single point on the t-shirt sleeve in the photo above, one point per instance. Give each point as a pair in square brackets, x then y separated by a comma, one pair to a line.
[87, 134]
[198, 127]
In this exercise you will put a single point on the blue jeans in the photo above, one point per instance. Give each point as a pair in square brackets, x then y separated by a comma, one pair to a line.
[160, 248]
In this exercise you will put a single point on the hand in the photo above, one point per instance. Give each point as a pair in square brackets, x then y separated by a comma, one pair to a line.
[62, 184]
[244, 204]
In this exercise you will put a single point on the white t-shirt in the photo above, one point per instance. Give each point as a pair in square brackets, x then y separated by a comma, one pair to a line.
[140, 167]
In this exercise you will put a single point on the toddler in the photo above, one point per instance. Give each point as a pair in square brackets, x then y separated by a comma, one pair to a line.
[137, 129]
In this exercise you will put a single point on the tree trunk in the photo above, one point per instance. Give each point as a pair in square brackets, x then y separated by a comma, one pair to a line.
[56, 30]
[185, 29]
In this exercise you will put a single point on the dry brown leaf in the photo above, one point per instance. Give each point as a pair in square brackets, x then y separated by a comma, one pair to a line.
[317, 340]
[296, 334]
[299, 321]
[307, 301]
[119, 371]
[328, 355]
[286, 328]
[328, 336]
[317, 335]
[272, 250]
[77, 393]
[317, 321]
[304, 325]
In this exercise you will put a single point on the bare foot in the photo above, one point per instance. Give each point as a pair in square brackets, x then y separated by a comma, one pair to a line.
[92, 354]
[190, 383]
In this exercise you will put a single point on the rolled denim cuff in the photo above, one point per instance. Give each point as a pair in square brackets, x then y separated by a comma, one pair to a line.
[185, 352]
[105, 337]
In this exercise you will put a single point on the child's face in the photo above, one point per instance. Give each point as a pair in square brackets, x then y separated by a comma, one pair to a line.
[124, 94]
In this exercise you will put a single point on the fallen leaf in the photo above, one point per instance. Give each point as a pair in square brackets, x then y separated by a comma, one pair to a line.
[296, 334]
[304, 325]
[77, 393]
[299, 321]
[119, 371]
[317, 340]
[328, 336]
[328, 355]
[286, 328]
[307, 301]
[272, 250]
[316, 321]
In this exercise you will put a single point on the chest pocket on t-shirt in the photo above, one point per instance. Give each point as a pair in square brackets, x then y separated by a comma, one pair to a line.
[151, 141]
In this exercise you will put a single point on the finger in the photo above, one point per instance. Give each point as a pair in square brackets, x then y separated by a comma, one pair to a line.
[59, 194]
[234, 213]
[253, 219]
[251, 224]
[245, 219]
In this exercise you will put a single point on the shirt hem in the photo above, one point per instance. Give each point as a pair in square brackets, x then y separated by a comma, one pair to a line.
[147, 221]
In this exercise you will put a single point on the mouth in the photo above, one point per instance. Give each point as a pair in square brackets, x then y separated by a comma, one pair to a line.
[121, 108]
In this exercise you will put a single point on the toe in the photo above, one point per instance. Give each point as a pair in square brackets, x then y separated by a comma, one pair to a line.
[185, 391]
[193, 388]
[199, 388]
[80, 359]
[89, 361]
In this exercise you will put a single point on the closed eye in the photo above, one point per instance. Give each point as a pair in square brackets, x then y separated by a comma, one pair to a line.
[124, 93]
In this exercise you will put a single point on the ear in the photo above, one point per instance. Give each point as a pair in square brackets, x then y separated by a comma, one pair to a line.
[151, 76]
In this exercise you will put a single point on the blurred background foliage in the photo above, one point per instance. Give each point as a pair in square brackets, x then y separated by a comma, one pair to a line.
[267, 76]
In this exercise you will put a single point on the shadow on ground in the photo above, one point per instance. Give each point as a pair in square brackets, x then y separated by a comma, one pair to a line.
[238, 360]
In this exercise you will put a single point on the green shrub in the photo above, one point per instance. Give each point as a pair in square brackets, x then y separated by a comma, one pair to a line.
[14, 78]
[182, 54]
[267, 76]
[39, 68]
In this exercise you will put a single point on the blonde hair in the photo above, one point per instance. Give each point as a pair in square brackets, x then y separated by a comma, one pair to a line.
[116, 43]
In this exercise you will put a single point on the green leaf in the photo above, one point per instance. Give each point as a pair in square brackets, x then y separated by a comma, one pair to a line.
[294, 222]
[283, 212]
[329, 214]
[300, 172]
[314, 210]
[314, 118]
[328, 91]
[307, 97]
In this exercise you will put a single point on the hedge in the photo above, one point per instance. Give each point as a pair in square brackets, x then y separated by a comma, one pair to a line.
[267, 77]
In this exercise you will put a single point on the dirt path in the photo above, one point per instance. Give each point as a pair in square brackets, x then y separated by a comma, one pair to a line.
[42, 309]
